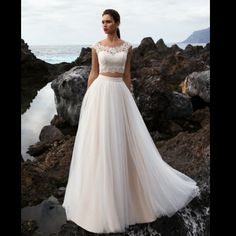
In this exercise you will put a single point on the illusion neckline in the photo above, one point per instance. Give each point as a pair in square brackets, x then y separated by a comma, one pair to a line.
[113, 46]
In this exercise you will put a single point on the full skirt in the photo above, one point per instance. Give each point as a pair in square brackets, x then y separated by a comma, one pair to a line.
[117, 177]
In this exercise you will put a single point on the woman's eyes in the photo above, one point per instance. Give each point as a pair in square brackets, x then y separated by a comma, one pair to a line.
[106, 21]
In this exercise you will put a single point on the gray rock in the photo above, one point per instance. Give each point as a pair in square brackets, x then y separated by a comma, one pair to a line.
[69, 89]
[49, 216]
[198, 84]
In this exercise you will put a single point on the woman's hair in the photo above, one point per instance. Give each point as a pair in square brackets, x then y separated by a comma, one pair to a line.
[116, 17]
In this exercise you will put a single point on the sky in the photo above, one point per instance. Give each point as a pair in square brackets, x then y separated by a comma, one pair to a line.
[75, 22]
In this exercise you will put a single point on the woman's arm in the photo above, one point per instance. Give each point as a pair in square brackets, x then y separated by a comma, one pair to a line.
[127, 73]
[94, 68]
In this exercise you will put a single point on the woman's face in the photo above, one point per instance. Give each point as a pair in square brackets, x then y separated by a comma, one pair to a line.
[108, 24]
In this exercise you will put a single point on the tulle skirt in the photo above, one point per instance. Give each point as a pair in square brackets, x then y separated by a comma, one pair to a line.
[117, 177]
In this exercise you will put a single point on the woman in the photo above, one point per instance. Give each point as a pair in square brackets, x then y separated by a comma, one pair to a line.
[117, 177]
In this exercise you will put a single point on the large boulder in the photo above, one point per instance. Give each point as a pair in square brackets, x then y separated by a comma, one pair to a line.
[48, 216]
[198, 84]
[69, 89]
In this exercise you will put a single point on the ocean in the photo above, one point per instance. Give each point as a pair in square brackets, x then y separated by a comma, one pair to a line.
[57, 53]
[54, 54]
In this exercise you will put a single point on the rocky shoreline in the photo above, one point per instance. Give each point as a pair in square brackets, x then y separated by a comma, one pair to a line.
[171, 87]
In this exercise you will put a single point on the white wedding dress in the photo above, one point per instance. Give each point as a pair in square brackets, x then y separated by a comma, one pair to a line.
[117, 177]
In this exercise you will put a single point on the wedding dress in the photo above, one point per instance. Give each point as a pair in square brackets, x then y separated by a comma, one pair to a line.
[117, 177]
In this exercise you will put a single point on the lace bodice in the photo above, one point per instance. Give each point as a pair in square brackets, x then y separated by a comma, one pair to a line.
[112, 59]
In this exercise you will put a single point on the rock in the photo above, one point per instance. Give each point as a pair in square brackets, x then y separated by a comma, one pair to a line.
[161, 47]
[143, 53]
[69, 89]
[147, 44]
[84, 57]
[175, 128]
[170, 226]
[191, 50]
[28, 227]
[33, 179]
[50, 133]
[35, 74]
[202, 116]
[152, 100]
[175, 48]
[70, 228]
[198, 84]
[64, 126]
[187, 152]
[61, 191]
[198, 103]
[58, 121]
[49, 215]
[47, 173]
[180, 106]
[159, 106]
[26, 53]
[175, 67]
[31, 65]
[171, 64]
[38, 148]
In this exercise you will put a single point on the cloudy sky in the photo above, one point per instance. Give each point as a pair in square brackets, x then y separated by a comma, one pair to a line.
[65, 22]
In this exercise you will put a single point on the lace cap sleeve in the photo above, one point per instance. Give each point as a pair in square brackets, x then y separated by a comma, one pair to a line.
[95, 46]
[127, 45]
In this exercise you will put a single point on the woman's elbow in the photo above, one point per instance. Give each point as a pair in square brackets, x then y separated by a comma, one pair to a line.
[127, 75]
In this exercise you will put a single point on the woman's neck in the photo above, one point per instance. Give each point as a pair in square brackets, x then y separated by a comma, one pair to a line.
[112, 37]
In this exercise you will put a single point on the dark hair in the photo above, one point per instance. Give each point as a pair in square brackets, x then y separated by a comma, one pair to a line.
[116, 17]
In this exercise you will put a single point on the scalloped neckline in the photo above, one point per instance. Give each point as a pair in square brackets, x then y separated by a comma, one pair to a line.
[112, 47]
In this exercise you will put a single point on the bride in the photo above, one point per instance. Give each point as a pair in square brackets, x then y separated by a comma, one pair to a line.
[117, 177]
